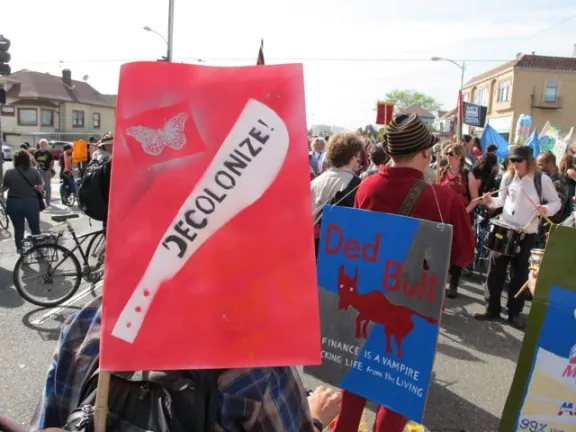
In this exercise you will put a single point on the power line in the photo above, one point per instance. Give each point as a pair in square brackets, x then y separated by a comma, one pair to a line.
[268, 59]
[551, 27]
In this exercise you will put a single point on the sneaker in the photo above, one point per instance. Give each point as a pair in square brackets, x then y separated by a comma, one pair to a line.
[452, 292]
[517, 322]
[487, 316]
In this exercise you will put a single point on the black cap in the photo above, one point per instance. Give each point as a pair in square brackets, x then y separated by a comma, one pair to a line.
[521, 153]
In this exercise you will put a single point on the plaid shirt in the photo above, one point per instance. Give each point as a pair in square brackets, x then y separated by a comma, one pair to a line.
[256, 400]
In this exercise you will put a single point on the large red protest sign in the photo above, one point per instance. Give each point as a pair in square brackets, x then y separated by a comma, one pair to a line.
[209, 259]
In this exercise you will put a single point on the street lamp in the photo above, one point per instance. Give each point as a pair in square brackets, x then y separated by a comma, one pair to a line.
[168, 56]
[462, 67]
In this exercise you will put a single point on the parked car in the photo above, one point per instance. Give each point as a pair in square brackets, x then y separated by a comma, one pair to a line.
[6, 151]
[56, 148]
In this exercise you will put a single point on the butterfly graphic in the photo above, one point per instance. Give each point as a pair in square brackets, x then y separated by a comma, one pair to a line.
[153, 141]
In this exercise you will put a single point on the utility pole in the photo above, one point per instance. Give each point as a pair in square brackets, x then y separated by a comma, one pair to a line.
[170, 30]
[4, 70]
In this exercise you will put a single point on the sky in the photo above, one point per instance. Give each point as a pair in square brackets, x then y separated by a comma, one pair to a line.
[353, 51]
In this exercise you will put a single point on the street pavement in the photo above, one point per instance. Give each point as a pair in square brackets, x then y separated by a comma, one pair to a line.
[474, 366]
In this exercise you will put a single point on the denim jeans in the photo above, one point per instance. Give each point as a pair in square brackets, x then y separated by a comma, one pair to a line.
[47, 178]
[70, 183]
[20, 210]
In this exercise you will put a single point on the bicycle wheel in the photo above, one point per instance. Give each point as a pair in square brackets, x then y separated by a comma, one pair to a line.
[95, 255]
[96, 245]
[67, 199]
[44, 264]
[4, 220]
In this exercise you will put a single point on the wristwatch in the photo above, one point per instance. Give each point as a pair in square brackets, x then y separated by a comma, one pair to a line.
[317, 424]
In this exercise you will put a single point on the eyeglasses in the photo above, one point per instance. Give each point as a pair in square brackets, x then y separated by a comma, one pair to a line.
[452, 154]
[517, 160]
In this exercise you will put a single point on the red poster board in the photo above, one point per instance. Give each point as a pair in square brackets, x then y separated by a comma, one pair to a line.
[384, 113]
[209, 259]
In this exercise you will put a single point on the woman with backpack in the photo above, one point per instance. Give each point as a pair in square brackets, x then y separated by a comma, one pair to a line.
[337, 185]
[456, 177]
[24, 184]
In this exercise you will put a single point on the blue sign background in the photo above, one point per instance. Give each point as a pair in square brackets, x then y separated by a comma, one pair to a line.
[400, 236]
[557, 333]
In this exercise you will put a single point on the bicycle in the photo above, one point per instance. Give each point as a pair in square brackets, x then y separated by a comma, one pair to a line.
[45, 250]
[67, 197]
[4, 220]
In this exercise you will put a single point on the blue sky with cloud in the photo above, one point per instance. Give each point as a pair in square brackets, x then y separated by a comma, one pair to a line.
[339, 92]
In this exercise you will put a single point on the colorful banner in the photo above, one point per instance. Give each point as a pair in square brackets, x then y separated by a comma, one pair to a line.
[548, 137]
[543, 394]
[382, 280]
[459, 117]
[209, 254]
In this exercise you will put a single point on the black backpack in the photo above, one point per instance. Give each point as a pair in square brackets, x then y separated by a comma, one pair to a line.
[92, 196]
[569, 204]
[537, 185]
[177, 401]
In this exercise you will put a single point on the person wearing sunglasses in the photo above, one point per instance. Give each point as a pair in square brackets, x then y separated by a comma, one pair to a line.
[456, 177]
[523, 185]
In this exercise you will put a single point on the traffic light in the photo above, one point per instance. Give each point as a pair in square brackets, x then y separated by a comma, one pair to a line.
[4, 56]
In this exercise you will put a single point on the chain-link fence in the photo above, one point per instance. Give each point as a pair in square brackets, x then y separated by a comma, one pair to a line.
[33, 138]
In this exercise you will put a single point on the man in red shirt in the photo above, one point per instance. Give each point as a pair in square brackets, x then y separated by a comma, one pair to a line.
[408, 143]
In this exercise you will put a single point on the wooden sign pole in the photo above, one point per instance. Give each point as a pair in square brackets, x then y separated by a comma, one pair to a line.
[101, 405]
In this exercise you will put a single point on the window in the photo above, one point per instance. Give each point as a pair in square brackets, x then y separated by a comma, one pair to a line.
[77, 119]
[8, 111]
[503, 91]
[96, 120]
[27, 116]
[551, 91]
[46, 117]
[481, 96]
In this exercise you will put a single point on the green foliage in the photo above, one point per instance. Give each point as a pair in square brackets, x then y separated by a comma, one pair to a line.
[404, 98]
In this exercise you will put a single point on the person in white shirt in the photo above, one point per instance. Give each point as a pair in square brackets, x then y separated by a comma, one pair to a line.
[338, 184]
[316, 156]
[522, 180]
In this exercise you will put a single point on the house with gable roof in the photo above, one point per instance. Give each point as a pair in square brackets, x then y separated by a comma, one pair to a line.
[41, 105]
[426, 116]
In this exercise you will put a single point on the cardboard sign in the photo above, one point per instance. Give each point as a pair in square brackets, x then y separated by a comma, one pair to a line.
[209, 255]
[382, 280]
[543, 393]
[474, 115]
[79, 151]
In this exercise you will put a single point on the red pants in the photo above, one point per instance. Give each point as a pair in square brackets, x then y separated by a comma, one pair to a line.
[352, 408]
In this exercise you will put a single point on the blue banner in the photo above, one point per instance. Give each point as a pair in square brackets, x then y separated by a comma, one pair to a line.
[381, 284]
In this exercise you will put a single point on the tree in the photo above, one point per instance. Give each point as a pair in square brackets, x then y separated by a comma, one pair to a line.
[404, 98]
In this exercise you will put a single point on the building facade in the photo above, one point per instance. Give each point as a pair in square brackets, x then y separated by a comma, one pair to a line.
[542, 86]
[40, 105]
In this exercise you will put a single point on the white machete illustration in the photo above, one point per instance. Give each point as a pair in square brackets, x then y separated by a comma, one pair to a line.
[256, 178]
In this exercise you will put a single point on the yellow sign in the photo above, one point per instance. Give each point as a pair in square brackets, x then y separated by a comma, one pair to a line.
[80, 151]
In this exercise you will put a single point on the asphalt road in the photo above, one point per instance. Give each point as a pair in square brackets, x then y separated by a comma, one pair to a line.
[474, 366]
